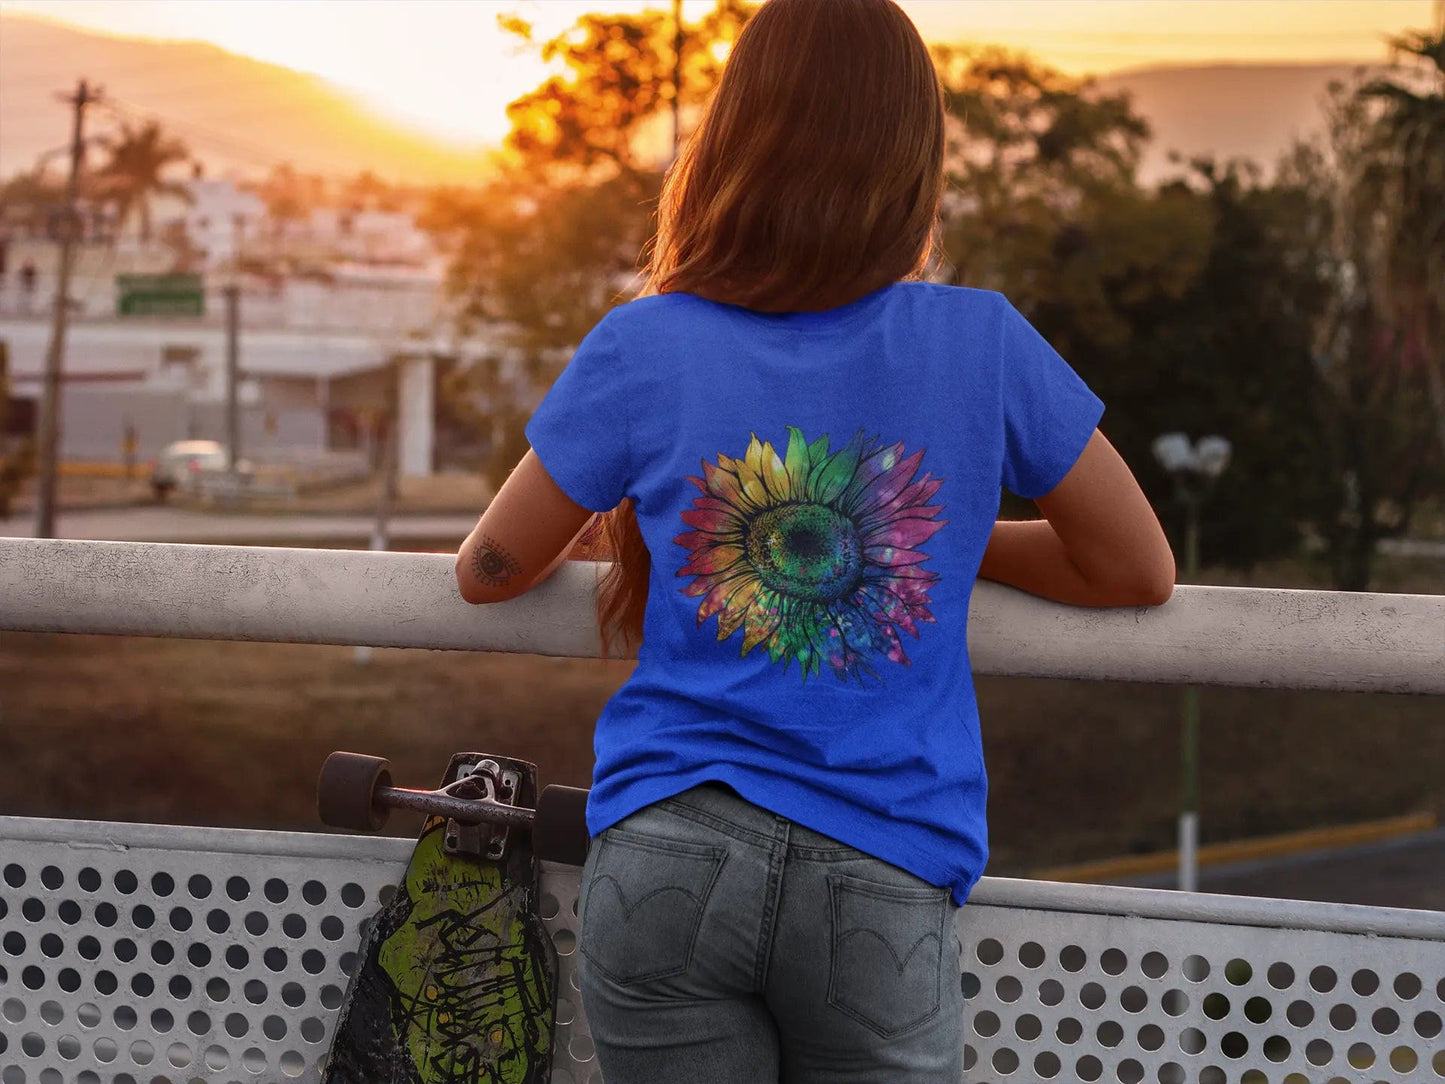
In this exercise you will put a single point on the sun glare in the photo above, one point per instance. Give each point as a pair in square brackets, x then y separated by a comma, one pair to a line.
[448, 68]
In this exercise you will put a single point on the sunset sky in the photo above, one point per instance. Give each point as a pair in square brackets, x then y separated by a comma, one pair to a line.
[444, 64]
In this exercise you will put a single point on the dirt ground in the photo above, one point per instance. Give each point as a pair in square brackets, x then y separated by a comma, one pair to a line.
[232, 734]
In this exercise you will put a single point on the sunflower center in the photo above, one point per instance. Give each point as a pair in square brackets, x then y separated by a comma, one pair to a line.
[806, 550]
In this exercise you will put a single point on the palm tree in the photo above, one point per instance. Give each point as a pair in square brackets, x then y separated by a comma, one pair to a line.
[1408, 181]
[134, 173]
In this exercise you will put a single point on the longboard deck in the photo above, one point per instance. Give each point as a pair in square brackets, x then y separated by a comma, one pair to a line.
[456, 976]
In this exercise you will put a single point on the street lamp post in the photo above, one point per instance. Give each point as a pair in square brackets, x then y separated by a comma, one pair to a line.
[1194, 468]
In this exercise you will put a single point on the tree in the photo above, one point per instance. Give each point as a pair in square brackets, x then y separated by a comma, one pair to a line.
[1406, 180]
[1375, 448]
[542, 252]
[135, 171]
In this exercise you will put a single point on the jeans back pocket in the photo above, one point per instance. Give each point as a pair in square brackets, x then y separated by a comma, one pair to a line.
[887, 952]
[645, 898]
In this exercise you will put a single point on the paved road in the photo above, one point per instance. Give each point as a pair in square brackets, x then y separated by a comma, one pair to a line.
[181, 525]
[1407, 872]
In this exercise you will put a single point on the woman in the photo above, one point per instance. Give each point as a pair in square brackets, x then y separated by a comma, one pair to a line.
[798, 445]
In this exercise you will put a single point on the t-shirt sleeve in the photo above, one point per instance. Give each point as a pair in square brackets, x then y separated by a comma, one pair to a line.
[1049, 413]
[579, 430]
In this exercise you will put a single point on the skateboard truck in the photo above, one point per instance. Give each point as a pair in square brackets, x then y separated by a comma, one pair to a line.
[355, 791]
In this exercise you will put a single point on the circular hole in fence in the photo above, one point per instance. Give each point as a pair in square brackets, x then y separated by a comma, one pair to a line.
[1276, 1048]
[1407, 986]
[217, 920]
[236, 1025]
[1091, 995]
[125, 882]
[198, 955]
[986, 1023]
[106, 982]
[199, 886]
[293, 995]
[1280, 976]
[1212, 1074]
[353, 895]
[1233, 1044]
[142, 917]
[87, 1014]
[237, 958]
[293, 926]
[142, 985]
[313, 962]
[970, 1056]
[163, 952]
[274, 1028]
[1171, 1072]
[1216, 1006]
[141, 1052]
[1342, 1017]
[314, 893]
[1196, 968]
[1005, 1061]
[1028, 1027]
[254, 991]
[1069, 1031]
[971, 985]
[1151, 1037]
[1089, 1067]
[162, 1021]
[237, 888]
[162, 884]
[1047, 1065]
[1361, 1056]
[1365, 982]
[32, 909]
[1319, 1052]
[1110, 1034]
[217, 1058]
[1051, 992]
[1238, 972]
[1427, 1025]
[126, 950]
[1403, 1059]
[1113, 961]
[1385, 1021]
[1134, 999]
[1155, 965]
[218, 989]
[198, 1023]
[1031, 954]
[1191, 1041]
[1009, 989]
[253, 1060]
[989, 952]
[1072, 958]
[179, 987]
[1130, 1072]
[313, 1030]
[1323, 979]
[276, 891]
[1300, 1013]
[1257, 1010]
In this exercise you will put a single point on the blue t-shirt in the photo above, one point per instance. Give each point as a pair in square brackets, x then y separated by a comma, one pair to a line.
[816, 490]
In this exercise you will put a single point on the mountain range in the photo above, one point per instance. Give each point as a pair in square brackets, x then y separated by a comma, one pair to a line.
[243, 115]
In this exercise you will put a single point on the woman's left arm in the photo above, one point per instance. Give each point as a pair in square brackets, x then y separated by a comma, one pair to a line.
[524, 535]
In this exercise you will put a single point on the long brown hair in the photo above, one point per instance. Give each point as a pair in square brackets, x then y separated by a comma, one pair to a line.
[813, 178]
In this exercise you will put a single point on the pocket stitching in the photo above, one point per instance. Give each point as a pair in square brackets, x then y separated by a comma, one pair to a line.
[717, 855]
[838, 884]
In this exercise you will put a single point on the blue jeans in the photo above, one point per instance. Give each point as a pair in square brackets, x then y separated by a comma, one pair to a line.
[722, 944]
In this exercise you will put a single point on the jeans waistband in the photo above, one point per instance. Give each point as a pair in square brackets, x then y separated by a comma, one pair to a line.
[720, 802]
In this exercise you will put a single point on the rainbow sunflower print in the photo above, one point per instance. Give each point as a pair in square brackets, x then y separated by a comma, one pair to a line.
[814, 555]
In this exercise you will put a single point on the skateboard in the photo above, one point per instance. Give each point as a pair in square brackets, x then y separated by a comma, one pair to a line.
[456, 977]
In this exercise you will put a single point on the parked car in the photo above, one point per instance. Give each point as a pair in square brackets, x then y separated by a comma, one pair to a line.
[191, 465]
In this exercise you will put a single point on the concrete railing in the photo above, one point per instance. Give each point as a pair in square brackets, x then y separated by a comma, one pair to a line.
[1203, 635]
[133, 953]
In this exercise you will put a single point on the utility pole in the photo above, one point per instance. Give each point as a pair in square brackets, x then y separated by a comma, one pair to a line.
[676, 74]
[49, 422]
[390, 463]
[233, 353]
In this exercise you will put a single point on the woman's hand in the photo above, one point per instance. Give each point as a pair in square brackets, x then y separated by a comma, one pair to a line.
[525, 534]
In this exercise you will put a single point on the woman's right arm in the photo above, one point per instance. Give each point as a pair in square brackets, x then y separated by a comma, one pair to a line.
[1099, 543]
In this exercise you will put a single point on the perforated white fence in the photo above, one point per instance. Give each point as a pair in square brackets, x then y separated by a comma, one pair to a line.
[146, 954]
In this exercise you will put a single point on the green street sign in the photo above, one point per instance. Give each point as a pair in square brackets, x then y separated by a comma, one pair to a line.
[160, 295]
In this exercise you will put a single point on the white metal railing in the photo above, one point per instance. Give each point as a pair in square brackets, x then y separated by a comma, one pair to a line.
[134, 953]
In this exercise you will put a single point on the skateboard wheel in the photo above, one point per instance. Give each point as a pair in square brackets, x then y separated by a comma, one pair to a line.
[346, 791]
[559, 833]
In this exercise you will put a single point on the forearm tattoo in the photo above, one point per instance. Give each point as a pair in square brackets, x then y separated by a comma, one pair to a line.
[493, 565]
